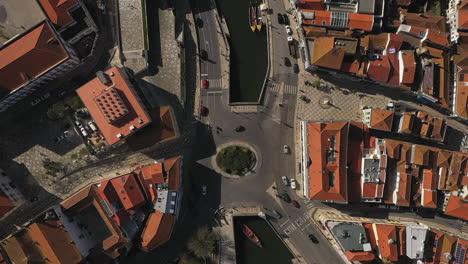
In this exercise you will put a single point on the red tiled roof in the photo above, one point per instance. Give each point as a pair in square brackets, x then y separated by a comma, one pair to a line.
[360, 21]
[149, 176]
[387, 241]
[370, 235]
[172, 168]
[57, 10]
[456, 168]
[129, 192]
[325, 55]
[116, 119]
[320, 18]
[393, 148]
[429, 179]
[359, 255]
[379, 70]
[462, 248]
[406, 123]
[438, 37]
[404, 190]
[457, 207]
[157, 231]
[327, 175]
[463, 15]
[429, 198]
[409, 67]
[402, 240]
[311, 4]
[439, 127]
[445, 246]
[381, 119]
[461, 98]
[40, 46]
[6, 205]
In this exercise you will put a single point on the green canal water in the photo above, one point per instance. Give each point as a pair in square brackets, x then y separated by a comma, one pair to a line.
[273, 252]
[249, 51]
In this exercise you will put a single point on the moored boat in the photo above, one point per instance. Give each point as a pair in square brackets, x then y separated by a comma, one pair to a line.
[251, 235]
[259, 17]
[252, 18]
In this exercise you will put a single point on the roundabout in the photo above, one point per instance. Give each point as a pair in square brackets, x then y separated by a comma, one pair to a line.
[235, 159]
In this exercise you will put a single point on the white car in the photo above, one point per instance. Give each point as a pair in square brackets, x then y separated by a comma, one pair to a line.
[285, 149]
[288, 30]
[292, 182]
[83, 131]
[290, 39]
[92, 126]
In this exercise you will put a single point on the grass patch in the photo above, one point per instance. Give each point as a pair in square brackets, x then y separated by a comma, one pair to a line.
[236, 160]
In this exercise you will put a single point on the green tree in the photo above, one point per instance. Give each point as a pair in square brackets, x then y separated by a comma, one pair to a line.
[203, 243]
[316, 84]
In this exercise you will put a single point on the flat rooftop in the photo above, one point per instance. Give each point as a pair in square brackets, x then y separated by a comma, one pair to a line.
[18, 16]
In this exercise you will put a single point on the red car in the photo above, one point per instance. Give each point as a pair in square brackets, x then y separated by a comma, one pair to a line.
[205, 84]
[295, 203]
[203, 110]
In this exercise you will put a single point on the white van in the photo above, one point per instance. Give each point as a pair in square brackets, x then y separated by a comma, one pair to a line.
[92, 126]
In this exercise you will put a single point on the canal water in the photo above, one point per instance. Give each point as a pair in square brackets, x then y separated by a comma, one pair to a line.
[249, 51]
[273, 252]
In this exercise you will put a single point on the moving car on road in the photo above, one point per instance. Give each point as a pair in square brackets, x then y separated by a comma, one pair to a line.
[203, 110]
[293, 184]
[284, 180]
[286, 197]
[280, 19]
[295, 204]
[285, 149]
[287, 62]
[286, 19]
[313, 239]
[288, 30]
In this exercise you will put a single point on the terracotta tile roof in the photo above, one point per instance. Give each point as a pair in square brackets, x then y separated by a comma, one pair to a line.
[457, 166]
[439, 127]
[320, 18]
[461, 255]
[54, 242]
[39, 45]
[359, 255]
[20, 248]
[57, 10]
[326, 55]
[371, 235]
[6, 205]
[402, 240]
[425, 21]
[403, 195]
[463, 15]
[387, 241]
[379, 70]
[381, 119]
[311, 4]
[438, 37]
[149, 176]
[445, 245]
[406, 123]
[114, 105]
[327, 174]
[128, 191]
[409, 67]
[173, 169]
[461, 98]
[457, 207]
[429, 179]
[361, 21]
[157, 231]
[405, 156]
[393, 148]
[443, 158]
[429, 198]
[421, 155]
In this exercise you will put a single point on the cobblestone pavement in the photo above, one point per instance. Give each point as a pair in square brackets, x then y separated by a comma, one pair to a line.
[166, 60]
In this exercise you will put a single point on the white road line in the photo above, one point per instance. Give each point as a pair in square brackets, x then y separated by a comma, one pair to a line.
[302, 229]
[215, 92]
[204, 74]
[281, 225]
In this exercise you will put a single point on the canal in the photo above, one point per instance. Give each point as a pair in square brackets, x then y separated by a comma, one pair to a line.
[249, 52]
[273, 252]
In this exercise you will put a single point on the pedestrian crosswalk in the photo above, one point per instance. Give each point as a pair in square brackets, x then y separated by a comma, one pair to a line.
[288, 88]
[215, 83]
[299, 223]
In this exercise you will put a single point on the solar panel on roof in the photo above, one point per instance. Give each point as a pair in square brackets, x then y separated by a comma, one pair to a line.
[460, 254]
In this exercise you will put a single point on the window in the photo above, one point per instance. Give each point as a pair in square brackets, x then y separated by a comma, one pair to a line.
[331, 178]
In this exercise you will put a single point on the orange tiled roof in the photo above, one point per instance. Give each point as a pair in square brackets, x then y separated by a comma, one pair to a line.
[359, 255]
[409, 67]
[445, 245]
[393, 148]
[421, 155]
[311, 4]
[41, 46]
[404, 189]
[439, 127]
[402, 240]
[463, 15]
[149, 176]
[456, 169]
[462, 249]
[381, 119]
[429, 179]
[320, 18]
[327, 174]
[116, 118]
[387, 241]
[461, 99]
[438, 37]
[429, 198]
[326, 55]
[360, 21]
[129, 192]
[157, 231]
[54, 242]
[172, 168]
[57, 10]
[425, 21]
[6, 205]
[457, 207]
[406, 123]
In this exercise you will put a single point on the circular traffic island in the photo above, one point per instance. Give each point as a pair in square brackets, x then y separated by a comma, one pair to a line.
[236, 160]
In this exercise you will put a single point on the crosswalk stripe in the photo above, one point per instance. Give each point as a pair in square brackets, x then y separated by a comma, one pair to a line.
[215, 83]
[275, 87]
[290, 89]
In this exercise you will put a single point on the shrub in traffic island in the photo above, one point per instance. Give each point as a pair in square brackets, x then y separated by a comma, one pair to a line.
[236, 160]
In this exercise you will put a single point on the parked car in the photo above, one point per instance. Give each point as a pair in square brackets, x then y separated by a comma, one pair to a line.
[284, 180]
[286, 197]
[239, 129]
[203, 110]
[295, 203]
[285, 149]
[292, 182]
[205, 84]
[84, 132]
[280, 19]
[204, 190]
[276, 214]
[286, 19]
[288, 30]
[313, 239]
[92, 126]
[287, 62]
[296, 68]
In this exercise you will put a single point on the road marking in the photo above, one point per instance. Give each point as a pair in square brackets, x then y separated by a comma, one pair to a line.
[215, 83]
[302, 229]
[290, 89]
[281, 225]
[204, 74]
[215, 92]
[310, 205]
[275, 87]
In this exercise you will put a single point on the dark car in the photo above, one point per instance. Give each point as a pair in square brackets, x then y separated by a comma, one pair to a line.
[239, 129]
[199, 22]
[203, 110]
[280, 19]
[287, 62]
[296, 68]
[295, 203]
[286, 197]
[203, 55]
[286, 19]
[276, 214]
[313, 239]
